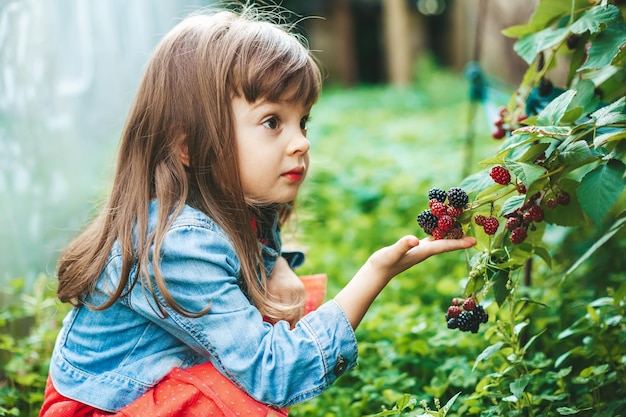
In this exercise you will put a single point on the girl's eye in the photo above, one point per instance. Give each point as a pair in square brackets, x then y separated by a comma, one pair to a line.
[271, 123]
[303, 123]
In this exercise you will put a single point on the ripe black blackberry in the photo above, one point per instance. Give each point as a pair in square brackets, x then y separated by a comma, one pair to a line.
[427, 221]
[457, 197]
[481, 314]
[437, 194]
[467, 321]
[453, 323]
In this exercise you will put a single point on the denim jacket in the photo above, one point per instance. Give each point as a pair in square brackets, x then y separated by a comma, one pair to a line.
[109, 358]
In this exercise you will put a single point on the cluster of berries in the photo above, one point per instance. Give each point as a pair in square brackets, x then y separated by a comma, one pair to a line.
[441, 219]
[562, 198]
[466, 315]
[504, 125]
[519, 221]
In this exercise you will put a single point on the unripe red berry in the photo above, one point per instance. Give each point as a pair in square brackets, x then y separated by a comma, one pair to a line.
[455, 212]
[500, 175]
[446, 223]
[457, 301]
[439, 234]
[479, 219]
[536, 213]
[454, 311]
[551, 203]
[438, 208]
[512, 223]
[456, 233]
[491, 225]
[469, 305]
[499, 133]
[518, 235]
[563, 198]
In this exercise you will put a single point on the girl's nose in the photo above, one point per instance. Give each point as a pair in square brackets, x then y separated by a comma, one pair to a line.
[299, 143]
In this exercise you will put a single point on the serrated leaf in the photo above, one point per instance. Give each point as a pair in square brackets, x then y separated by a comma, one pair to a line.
[533, 152]
[605, 47]
[600, 188]
[570, 215]
[595, 19]
[487, 353]
[546, 12]
[526, 173]
[611, 136]
[585, 96]
[513, 204]
[530, 45]
[567, 411]
[576, 153]
[612, 113]
[552, 114]
[541, 131]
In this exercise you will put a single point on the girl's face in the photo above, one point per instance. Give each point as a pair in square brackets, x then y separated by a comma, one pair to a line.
[273, 150]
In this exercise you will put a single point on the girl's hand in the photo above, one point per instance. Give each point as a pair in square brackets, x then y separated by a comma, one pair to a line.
[286, 288]
[409, 251]
[384, 264]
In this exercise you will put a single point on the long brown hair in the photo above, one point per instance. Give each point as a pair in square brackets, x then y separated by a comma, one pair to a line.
[184, 101]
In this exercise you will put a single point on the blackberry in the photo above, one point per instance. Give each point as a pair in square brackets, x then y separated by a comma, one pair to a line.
[536, 213]
[481, 314]
[437, 194]
[455, 212]
[427, 221]
[456, 233]
[512, 223]
[551, 203]
[491, 225]
[453, 312]
[446, 223]
[457, 197]
[500, 175]
[438, 208]
[467, 322]
[518, 235]
[453, 323]
[439, 234]
[563, 198]
[469, 305]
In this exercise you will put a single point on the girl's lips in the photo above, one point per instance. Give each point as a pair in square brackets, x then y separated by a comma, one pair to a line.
[296, 175]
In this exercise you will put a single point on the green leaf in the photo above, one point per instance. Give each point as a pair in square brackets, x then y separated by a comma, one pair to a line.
[611, 113]
[576, 153]
[513, 204]
[552, 114]
[487, 353]
[567, 411]
[526, 173]
[595, 19]
[585, 97]
[605, 47]
[541, 131]
[571, 215]
[614, 135]
[600, 188]
[605, 238]
[518, 386]
[530, 45]
[547, 12]
[533, 151]
[499, 279]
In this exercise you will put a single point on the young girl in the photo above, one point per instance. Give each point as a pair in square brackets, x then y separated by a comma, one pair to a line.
[176, 284]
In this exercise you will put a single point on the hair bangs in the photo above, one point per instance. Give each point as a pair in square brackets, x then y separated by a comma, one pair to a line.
[277, 67]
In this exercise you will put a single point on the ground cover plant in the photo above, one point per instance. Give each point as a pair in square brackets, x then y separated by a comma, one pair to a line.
[555, 293]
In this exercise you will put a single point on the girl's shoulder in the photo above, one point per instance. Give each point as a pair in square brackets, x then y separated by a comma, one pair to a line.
[188, 218]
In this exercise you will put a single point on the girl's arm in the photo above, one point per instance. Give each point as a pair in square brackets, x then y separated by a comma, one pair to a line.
[357, 296]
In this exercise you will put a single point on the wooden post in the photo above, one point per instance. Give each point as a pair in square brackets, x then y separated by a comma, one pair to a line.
[397, 42]
[345, 52]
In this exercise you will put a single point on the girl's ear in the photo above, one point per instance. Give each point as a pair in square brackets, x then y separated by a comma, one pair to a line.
[183, 150]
